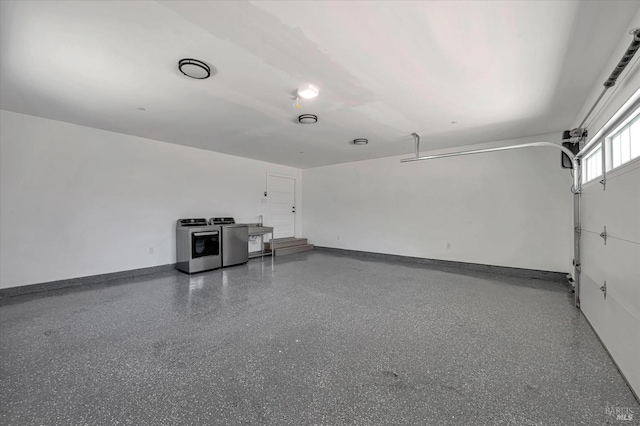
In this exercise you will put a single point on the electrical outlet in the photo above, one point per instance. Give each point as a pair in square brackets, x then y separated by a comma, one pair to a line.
[448, 245]
[150, 250]
[337, 237]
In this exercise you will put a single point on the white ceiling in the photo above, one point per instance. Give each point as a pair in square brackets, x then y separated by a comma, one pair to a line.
[500, 69]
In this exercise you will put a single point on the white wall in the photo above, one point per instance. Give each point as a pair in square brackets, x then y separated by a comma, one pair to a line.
[77, 201]
[616, 319]
[510, 208]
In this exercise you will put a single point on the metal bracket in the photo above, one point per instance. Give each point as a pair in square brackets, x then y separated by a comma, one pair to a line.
[604, 289]
[603, 234]
[581, 140]
[603, 181]
[578, 230]
[576, 265]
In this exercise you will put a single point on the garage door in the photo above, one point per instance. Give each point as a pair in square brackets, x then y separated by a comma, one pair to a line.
[610, 279]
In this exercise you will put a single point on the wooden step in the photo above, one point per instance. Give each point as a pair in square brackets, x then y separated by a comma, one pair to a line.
[281, 243]
[292, 249]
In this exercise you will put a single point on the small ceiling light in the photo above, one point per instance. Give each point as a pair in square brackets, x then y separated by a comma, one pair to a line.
[194, 68]
[141, 109]
[360, 141]
[308, 91]
[308, 119]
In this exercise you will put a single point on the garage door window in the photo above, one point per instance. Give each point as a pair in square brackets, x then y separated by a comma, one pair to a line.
[592, 165]
[620, 146]
[623, 144]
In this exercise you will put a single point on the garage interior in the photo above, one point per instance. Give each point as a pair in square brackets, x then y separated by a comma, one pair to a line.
[464, 177]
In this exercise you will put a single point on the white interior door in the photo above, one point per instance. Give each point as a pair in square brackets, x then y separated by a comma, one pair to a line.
[281, 193]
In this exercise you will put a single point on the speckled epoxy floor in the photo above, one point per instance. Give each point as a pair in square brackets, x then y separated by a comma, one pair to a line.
[319, 339]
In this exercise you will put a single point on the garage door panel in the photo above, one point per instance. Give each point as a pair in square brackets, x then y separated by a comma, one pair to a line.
[593, 208]
[592, 256]
[617, 263]
[618, 329]
[622, 195]
[621, 264]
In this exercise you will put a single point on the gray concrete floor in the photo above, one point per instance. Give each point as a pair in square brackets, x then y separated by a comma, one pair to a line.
[319, 339]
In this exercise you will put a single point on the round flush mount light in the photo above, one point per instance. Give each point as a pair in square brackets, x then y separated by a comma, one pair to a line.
[308, 119]
[308, 91]
[194, 68]
[360, 141]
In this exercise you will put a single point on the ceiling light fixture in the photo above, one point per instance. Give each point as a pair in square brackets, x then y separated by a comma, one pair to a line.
[194, 68]
[308, 91]
[308, 119]
[360, 141]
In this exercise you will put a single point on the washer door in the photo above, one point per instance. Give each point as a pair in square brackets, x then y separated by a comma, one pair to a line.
[205, 244]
